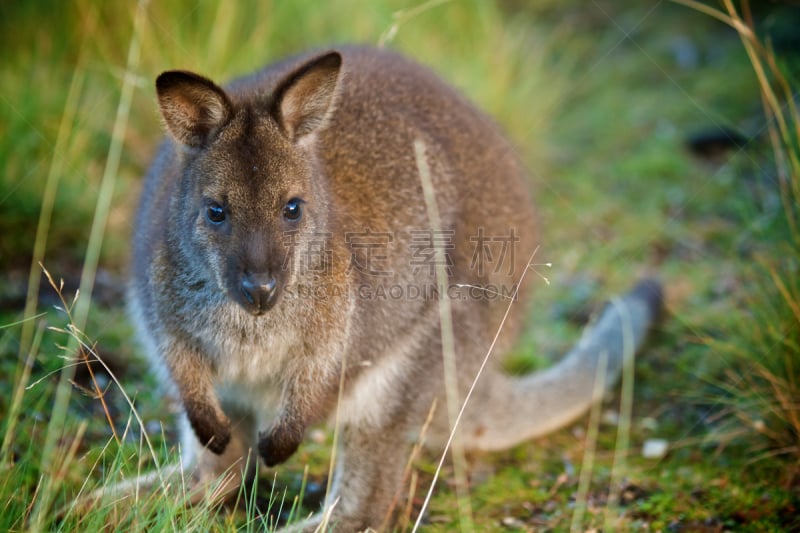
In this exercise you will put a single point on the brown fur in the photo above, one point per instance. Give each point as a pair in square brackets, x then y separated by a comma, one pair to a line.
[336, 130]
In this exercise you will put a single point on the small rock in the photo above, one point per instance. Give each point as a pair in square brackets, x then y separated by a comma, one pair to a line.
[685, 53]
[648, 423]
[153, 427]
[511, 522]
[611, 417]
[655, 448]
[317, 436]
[569, 469]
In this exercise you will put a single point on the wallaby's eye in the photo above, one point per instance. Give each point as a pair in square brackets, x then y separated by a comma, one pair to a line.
[293, 209]
[215, 213]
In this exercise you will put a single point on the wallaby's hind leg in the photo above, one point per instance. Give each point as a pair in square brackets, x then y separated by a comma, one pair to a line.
[367, 481]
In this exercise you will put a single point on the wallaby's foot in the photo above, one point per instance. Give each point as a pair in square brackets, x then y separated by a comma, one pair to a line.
[279, 443]
[212, 432]
[332, 524]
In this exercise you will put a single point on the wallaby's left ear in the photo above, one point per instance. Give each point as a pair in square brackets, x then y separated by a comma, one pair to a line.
[306, 97]
[193, 107]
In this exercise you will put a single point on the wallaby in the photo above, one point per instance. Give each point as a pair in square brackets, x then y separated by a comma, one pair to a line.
[284, 270]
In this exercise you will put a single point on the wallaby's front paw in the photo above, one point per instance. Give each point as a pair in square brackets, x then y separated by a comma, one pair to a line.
[212, 431]
[278, 444]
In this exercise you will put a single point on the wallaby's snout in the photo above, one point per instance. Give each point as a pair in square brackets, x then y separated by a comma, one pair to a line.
[254, 268]
[257, 292]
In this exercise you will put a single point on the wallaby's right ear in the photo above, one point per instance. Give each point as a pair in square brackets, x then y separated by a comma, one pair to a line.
[193, 107]
[305, 99]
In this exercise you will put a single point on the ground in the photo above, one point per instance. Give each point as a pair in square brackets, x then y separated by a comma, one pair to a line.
[649, 153]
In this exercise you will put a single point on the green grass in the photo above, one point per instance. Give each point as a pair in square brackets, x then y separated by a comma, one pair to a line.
[600, 98]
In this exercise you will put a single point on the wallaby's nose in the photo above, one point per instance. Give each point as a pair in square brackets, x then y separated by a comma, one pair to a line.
[258, 292]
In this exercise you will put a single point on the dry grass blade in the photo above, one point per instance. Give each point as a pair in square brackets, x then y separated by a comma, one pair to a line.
[761, 391]
[403, 16]
[20, 385]
[619, 466]
[485, 361]
[409, 472]
[448, 338]
[329, 502]
[585, 478]
[91, 259]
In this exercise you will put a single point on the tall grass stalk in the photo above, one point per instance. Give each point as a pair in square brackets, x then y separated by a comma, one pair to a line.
[448, 338]
[472, 386]
[20, 383]
[763, 389]
[83, 344]
[590, 447]
[778, 99]
[622, 445]
[330, 502]
[27, 353]
[56, 426]
[403, 16]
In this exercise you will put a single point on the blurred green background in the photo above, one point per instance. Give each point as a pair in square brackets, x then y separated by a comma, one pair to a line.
[643, 131]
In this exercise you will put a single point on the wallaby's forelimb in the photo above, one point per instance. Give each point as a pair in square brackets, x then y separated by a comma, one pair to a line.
[192, 375]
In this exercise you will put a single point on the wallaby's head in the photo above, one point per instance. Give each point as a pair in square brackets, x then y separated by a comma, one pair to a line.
[249, 179]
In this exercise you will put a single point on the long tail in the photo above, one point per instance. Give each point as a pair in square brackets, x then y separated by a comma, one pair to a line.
[517, 409]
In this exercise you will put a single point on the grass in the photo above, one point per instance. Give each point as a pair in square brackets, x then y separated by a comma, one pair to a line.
[600, 98]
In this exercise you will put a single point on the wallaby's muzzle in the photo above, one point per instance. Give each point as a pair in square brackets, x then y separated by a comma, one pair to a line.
[257, 292]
